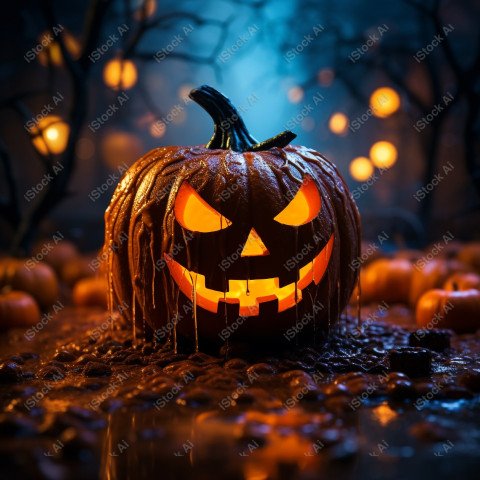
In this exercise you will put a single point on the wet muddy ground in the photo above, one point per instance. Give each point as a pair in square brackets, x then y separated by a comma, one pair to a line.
[379, 401]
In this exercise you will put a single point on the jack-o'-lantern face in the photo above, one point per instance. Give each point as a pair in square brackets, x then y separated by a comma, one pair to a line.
[194, 214]
[265, 232]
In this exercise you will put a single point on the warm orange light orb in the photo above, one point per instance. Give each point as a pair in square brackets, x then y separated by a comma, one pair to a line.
[338, 123]
[325, 77]
[295, 94]
[120, 149]
[361, 169]
[51, 52]
[120, 74]
[383, 154]
[50, 135]
[384, 101]
[157, 129]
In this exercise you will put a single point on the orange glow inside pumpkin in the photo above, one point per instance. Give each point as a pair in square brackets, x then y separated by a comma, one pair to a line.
[254, 247]
[304, 206]
[193, 286]
[194, 213]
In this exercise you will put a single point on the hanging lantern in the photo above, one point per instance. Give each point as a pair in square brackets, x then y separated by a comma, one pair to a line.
[50, 135]
[384, 102]
[383, 154]
[52, 53]
[120, 74]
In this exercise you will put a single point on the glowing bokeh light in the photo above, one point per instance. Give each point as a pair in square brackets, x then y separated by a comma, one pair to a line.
[120, 74]
[50, 135]
[383, 154]
[338, 123]
[295, 94]
[361, 169]
[384, 101]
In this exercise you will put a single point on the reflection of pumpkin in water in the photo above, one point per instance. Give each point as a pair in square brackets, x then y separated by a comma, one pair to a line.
[264, 230]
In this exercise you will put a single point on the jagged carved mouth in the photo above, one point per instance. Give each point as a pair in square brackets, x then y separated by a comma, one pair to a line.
[250, 294]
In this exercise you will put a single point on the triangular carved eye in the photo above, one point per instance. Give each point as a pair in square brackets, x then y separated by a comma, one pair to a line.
[194, 213]
[303, 207]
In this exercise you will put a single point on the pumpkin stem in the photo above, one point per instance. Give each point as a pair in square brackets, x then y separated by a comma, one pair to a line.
[230, 132]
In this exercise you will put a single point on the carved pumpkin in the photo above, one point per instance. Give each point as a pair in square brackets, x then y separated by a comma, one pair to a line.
[201, 235]
[38, 279]
[18, 309]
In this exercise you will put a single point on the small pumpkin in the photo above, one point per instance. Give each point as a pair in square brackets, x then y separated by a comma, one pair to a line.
[91, 292]
[432, 274]
[76, 269]
[56, 253]
[462, 281]
[470, 255]
[236, 232]
[36, 278]
[386, 280]
[457, 310]
[18, 310]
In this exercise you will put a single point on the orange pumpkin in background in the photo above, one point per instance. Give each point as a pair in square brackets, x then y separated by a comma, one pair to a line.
[91, 292]
[470, 255]
[18, 309]
[37, 279]
[432, 274]
[56, 254]
[76, 269]
[457, 310]
[462, 281]
[386, 280]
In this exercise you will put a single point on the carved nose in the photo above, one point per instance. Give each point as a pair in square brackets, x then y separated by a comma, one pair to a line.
[254, 247]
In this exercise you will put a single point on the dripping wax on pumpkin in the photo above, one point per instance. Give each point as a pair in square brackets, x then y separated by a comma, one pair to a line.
[274, 158]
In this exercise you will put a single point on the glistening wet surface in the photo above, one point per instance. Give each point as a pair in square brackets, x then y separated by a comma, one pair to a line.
[81, 401]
